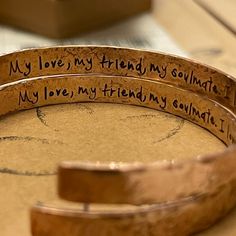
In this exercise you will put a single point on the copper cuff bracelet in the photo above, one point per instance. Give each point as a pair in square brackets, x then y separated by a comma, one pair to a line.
[185, 196]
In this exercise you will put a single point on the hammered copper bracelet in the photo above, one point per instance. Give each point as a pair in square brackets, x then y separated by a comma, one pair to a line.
[186, 196]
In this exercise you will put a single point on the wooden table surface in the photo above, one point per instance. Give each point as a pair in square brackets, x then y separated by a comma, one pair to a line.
[204, 28]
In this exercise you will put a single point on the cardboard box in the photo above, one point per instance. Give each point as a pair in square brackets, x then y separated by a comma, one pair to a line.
[66, 18]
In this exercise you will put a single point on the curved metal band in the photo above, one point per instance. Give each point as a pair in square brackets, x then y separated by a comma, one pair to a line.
[178, 218]
[211, 179]
[193, 91]
[135, 183]
[113, 61]
[207, 195]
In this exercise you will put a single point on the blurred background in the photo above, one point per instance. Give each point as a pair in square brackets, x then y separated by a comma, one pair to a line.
[32, 23]
[201, 29]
